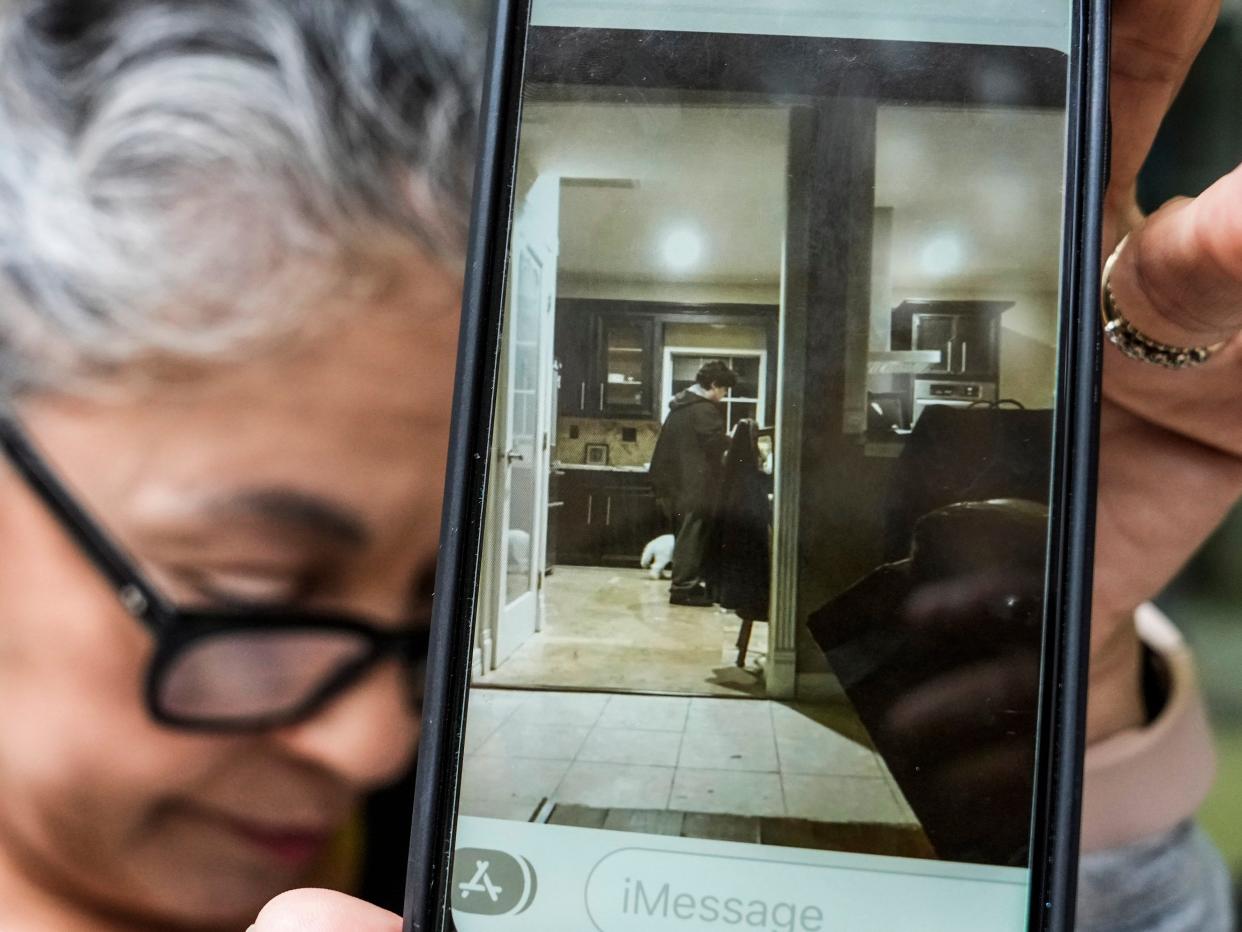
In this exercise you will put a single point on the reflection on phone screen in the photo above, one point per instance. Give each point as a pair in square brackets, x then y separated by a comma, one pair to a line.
[760, 616]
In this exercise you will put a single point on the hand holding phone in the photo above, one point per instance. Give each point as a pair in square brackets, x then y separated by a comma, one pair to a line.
[1169, 453]
[1141, 463]
[323, 911]
[695, 235]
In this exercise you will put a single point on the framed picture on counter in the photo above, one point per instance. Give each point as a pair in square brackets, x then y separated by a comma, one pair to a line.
[596, 454]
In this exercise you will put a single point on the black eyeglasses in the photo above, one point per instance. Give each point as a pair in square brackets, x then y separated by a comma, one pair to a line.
[232, 669]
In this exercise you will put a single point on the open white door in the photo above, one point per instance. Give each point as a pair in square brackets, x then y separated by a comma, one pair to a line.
[526, 422]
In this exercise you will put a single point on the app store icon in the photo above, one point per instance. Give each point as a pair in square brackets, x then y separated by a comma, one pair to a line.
[492, 883]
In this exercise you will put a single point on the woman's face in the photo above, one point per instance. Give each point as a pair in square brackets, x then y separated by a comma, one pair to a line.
[311, 477]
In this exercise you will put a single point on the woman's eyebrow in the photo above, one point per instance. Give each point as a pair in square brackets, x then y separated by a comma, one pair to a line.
[298, 511]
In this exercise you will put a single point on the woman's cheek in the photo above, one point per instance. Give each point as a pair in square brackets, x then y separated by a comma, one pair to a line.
[80, 761]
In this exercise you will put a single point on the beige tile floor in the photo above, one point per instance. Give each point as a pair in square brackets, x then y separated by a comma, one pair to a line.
[743, 757]
[616, 626]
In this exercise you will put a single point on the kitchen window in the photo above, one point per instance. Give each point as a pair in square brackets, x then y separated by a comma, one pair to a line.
[747, 400]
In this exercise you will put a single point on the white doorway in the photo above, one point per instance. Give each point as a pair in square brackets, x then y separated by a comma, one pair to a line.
[524, 425]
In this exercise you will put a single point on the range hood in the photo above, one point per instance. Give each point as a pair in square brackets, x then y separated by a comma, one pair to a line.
[908, 362]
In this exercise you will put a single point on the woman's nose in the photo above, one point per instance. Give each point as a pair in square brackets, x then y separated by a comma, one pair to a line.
[367, 736]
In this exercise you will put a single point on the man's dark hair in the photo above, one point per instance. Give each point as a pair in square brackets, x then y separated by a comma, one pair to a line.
[716, 373]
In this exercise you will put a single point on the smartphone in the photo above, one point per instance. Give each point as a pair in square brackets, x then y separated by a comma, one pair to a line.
[762, 601]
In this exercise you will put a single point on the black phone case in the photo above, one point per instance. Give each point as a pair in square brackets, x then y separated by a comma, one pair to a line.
[1057, 804]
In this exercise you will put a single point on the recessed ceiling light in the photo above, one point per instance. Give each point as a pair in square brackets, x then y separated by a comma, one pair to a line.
[683, 249]
[943, 255]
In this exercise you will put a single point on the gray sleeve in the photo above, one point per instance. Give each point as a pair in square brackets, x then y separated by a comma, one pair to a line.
[1171, 883]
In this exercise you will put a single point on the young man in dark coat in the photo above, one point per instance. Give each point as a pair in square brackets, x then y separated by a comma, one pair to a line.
[686, 473]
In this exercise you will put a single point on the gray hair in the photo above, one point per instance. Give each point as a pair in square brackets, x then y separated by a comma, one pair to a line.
[179, 177]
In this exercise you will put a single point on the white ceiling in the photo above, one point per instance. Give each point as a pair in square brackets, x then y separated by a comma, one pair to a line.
[989, 181]
[975, 194]
[716, 170]
[988, 22]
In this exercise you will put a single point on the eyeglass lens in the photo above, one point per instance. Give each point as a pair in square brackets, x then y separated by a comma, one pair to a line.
[246, 675]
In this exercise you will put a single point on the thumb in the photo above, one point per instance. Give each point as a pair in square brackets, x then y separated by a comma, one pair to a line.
[323, 911]
[1179, 277]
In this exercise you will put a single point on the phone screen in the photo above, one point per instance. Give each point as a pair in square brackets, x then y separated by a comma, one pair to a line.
[762, 602]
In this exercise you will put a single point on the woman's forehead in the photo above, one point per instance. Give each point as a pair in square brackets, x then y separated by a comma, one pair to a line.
[358, 417]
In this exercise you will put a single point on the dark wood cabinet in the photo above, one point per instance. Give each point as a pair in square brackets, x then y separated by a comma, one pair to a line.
[608, 361]
[965, 333]
[575, 352]
[611, 353]
[607, 518]
[936, 333]
[625, 357]
[632, 518]
[577, 542]
[978, 345]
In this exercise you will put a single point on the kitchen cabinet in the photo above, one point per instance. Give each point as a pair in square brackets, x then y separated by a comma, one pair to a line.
[611, 353]
[577, 543]
[574, 351]
[937, 333]
[632, 518]
[978, 345]
[625, 351]
[608, 362]
[607, 518]
[965, 333]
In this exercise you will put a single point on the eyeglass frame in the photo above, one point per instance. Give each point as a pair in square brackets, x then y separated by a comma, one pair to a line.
[175, 629]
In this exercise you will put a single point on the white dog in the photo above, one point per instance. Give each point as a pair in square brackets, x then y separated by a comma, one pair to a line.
[658, 556]
[519, 551]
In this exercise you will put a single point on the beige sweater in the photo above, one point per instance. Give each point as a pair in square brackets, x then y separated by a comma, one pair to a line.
[1148, 781]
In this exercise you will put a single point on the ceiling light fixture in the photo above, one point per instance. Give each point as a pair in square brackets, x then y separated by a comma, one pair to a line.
[943, 255]
[683, 249]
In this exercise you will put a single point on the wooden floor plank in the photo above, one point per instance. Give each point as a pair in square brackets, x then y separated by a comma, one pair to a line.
[578, 816]
[645, 821]
[720, 827]
[857, 837]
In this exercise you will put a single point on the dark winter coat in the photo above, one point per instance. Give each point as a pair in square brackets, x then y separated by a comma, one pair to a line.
[686, 464]
[739, 560]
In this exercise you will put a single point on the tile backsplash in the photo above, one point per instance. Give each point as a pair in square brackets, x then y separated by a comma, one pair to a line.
[611, 432]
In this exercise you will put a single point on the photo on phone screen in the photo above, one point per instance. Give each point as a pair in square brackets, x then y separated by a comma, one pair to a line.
[760, 612]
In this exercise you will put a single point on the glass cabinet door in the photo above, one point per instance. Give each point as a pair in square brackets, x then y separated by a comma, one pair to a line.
[626, 350]
[936, 332]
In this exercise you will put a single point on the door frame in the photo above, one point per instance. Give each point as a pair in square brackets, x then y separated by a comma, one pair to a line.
[535, 234]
